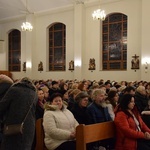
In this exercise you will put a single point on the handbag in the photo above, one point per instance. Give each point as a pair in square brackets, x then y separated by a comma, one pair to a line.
[13, 129]
[16, 129]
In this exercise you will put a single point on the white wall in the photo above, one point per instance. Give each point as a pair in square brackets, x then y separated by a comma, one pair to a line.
[91, 44]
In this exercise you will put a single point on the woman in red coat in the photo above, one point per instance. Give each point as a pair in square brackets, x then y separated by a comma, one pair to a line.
[129, 127]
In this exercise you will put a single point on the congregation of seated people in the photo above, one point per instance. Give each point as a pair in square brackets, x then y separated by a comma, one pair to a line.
[64, 104]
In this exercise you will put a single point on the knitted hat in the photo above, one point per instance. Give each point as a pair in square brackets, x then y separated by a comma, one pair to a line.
[6, 79]
[80, 96]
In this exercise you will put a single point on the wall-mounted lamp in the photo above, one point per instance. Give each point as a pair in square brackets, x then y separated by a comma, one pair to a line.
[28, 65]
[77, 63]
[145, 63]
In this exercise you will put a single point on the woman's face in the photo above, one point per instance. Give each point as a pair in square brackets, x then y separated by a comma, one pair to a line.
[116, 97]
[84, 102]
[131, 104]
[46, 93]
[57, 101]
[40, 95]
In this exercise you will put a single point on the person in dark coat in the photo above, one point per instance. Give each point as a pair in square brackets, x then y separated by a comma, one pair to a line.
[5, 83]
[141, 98]
[98, 109]
[80, 108]
[54, 88]
[40, 104]
[146, 114]
[14, 107]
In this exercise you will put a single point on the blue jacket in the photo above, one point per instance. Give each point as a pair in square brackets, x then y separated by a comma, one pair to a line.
[98, 114]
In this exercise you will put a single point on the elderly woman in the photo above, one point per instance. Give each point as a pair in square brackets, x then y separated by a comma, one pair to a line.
[59, 125]
[132, 132]
[80, 108]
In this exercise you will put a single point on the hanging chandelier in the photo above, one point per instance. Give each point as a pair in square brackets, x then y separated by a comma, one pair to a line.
[26, 26]
[99, 15]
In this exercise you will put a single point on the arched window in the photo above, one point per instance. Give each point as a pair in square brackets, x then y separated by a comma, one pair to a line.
[14, 50]
[114, 41]
[57, 47]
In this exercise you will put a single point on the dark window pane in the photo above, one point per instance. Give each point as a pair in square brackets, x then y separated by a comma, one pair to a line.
[58, 26]
[115, 32]
[115, 18]
[105, 37]
[105, 46]
[115, 65]
[114, 42]
[50, 35]
[15, 68]
[124, 55]
[124, 65]
[105, 56]
[124, 46]
[105, 29]
[104, 66]
[57, 50]
[14, 50]
[58, 38]
[125, 26]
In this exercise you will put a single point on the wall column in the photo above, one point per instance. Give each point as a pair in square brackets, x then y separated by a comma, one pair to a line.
[78, 38]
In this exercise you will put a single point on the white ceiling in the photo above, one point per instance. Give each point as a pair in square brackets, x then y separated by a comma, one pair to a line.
[15, 8]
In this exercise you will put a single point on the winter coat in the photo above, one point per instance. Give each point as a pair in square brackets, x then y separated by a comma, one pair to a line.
[58, 125]
[81, 114]
[3, 89]
[141, 101]
[98, 114]
[4, 86]
[146, 117]
[126, 131]
[14, 106]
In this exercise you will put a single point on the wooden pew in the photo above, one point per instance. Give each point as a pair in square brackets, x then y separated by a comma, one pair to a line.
[92, 133]
[40, 145]
[84, 134]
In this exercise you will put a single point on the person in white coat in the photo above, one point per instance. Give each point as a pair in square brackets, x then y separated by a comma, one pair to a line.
[59, 125]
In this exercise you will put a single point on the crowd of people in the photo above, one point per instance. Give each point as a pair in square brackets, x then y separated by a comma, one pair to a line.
[63, 104]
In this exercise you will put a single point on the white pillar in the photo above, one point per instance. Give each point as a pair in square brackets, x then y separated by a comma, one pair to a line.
[78, 39]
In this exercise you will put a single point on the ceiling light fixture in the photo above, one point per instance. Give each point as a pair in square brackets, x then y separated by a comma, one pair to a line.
[99, 15]
[26, 26]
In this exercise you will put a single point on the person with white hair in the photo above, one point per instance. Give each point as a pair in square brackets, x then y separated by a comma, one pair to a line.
[98, 110]
[98, 113]
[141, 98]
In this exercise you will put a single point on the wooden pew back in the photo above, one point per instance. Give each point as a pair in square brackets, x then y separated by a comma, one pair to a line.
[40, 145]
[94, 132]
